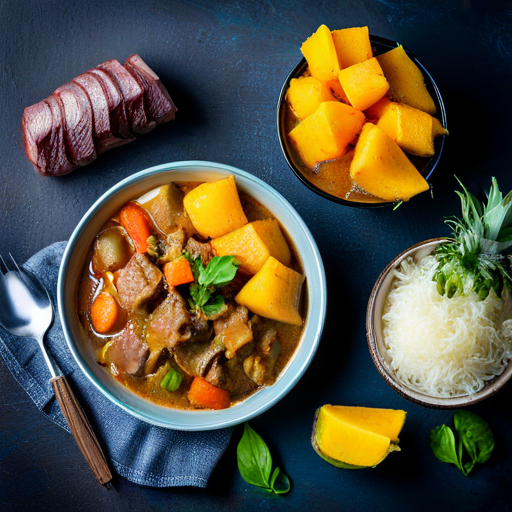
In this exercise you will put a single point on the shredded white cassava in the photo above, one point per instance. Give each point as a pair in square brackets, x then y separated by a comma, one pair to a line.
[444, 347]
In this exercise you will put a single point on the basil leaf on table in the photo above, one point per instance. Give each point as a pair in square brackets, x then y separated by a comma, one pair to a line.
[255, 463]
[475, 434]
[442, 442]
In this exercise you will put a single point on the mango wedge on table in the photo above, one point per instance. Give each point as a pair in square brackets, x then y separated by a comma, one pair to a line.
[326, 134]
[305, 95]
[215, 208]
[321, 55]
[364, 83]
[412, 129]
[381, 168]
[406, 80]
[352, 45]
[356, 437]
[274, 292]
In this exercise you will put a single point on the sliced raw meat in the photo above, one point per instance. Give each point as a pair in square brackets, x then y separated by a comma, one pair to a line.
[137, 282]
[44, 138]
[103, 137]
[77, 113]
[118, 117]
[158, 102]
[133, 95]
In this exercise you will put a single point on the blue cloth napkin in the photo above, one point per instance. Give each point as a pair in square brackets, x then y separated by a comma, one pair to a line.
[140, 452]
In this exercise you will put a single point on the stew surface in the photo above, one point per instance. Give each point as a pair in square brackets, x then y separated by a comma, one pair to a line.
[150, 335]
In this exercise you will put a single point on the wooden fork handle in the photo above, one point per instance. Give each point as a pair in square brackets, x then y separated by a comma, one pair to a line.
[81, 430]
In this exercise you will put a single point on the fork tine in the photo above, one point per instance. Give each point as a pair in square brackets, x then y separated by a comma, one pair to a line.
[4, 264]
[14, 261]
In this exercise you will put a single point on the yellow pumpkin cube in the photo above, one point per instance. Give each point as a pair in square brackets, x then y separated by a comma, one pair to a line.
[381, 168]
[337, 91]
[305, 95]
[364, 83]
[411, 128]
[352, 45]
[321, 55]
[377, 109]
[253, 243]
[215, 208]
[274, 292]
[438, 128]
[406, 81]
[326, 133]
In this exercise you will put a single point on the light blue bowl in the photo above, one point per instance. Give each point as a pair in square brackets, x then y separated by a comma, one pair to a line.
[77, 251]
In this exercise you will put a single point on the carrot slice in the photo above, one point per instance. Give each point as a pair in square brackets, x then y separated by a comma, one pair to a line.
[206, 395]
[138, 225]
[106, 313]
[178, 272]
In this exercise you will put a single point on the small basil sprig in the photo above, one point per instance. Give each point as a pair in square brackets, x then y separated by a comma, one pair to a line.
[473, 434]
[255, 464]
[203, 291]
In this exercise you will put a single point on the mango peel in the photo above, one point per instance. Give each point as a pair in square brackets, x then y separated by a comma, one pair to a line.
[356, 437]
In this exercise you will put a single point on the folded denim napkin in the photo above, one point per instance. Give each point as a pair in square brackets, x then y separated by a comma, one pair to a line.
[140, 452]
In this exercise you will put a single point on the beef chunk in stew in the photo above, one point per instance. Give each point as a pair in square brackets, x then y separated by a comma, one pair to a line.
[128, 351]
[171, 247]
[259, 366]
[234, 330]
[171, 322]
[200, 250]
[137, 282]
[196, 359]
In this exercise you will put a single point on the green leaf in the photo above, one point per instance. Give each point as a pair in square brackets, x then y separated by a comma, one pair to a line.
[476, 435]
[279, 482]
[214, 305]
[254, 460]
[442, 442]
[220, 271]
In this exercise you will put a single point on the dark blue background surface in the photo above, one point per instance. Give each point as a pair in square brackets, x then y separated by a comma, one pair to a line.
[224, 65]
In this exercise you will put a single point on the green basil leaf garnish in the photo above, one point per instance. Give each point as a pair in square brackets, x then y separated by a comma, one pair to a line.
[255, 463]
[474, 435]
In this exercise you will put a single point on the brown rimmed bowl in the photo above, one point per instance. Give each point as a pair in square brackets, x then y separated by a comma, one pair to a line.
[378, 350]
[425, 166]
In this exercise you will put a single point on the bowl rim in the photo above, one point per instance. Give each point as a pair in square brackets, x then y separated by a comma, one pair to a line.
[213, 419]
[404, 391]
[434, 161]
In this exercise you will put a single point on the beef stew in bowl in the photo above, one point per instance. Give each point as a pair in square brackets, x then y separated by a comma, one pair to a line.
[313, 310]
[163, 304]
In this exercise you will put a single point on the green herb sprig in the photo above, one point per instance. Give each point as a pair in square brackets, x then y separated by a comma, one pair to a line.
[474, 435]
[255, 464]
[204, 295]
[478, 256]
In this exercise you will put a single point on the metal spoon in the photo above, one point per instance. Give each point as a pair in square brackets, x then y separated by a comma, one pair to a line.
[26, 310]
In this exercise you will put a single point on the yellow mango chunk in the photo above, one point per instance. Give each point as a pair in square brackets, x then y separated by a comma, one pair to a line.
[411, 128]
[305, 95]
[381, 168]
[364, 83]
[352, 45]
[438, 128]
[356, 437]
[326, 133]
[215, 208]
[386, 422]
[406, 81]
[274, 292]
[253, 243]
[321, 55]
[337, 91]
[377, 109]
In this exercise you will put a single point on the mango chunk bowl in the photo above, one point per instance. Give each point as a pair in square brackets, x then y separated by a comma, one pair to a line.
[333, 181]
[135, 186]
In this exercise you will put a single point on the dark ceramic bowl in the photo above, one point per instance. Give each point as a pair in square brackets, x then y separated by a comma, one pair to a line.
[378, 351]
[425, 166]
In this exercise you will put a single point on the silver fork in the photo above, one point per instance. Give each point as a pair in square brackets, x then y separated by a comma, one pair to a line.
[26, 311]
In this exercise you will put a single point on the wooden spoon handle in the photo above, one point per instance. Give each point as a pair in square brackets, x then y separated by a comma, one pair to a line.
[81, 430]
